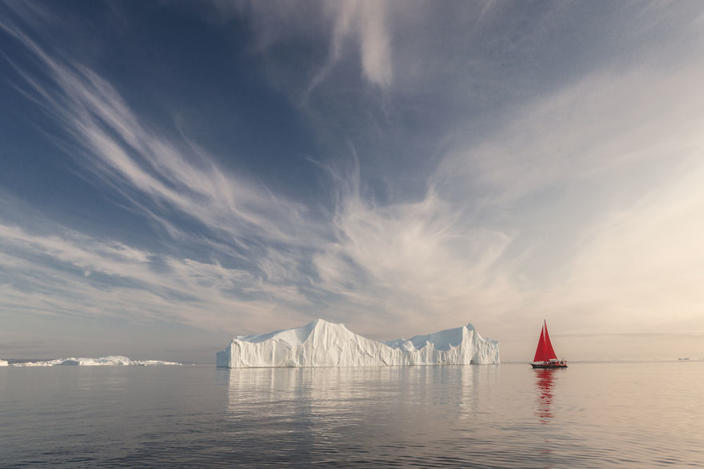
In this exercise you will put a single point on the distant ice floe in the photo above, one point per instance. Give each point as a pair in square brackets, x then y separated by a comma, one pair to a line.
[113, 360]
[322, 343]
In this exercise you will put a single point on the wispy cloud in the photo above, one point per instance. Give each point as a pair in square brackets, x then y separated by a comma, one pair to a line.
[365, 22]
[410, 259]
[579, 201]
[399, 260]
[47, 274]
[599, 182]
[158, 176]
[352, 28]
[125, 153]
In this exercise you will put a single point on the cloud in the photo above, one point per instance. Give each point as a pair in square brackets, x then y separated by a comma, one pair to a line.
[410, 260]
[359, 26]
[124, 282]
[125, 153]
[229, 218]
[366, 22]
[420, 261]
[641, 264]
[599, 184]
[578, 200]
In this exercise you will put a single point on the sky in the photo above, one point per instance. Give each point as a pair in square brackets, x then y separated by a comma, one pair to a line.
[176, 173]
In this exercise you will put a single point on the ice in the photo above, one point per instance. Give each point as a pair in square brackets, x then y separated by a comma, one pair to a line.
[323, 343]
[113, 360]
[3, 362]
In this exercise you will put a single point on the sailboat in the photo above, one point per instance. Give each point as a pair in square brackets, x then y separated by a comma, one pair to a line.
[545, 355]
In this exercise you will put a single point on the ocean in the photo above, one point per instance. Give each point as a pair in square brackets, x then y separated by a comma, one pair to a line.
[589, 415]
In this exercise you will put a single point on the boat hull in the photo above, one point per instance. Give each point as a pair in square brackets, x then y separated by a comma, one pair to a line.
[549, 365]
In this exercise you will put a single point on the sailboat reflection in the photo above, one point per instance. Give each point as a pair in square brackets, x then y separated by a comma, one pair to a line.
[545, 380]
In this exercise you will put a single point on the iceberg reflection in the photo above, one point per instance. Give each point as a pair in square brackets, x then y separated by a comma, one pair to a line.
[308, 411]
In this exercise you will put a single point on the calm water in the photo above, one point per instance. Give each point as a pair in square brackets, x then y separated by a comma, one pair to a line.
[590, 415]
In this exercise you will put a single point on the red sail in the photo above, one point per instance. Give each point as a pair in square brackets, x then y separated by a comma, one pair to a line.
[540, 351]
[549, 352]
[544, 352]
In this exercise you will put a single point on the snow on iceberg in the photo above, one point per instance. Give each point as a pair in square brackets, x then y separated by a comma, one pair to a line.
[322, 343]
[114, 360]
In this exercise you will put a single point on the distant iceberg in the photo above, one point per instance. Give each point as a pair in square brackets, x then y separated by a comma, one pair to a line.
[3, 363]
[114, 360]
[322, 343]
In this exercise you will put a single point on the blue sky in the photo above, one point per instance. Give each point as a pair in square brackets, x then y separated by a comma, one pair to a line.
[175, 173]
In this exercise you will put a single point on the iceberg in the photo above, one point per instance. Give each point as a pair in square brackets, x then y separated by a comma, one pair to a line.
[3, 362]
[113, 360]
[322, 343]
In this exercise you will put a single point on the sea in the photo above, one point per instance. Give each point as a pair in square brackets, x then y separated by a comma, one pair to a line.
[597, 415]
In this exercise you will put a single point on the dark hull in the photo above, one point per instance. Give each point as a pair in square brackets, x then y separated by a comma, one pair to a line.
[549, 365]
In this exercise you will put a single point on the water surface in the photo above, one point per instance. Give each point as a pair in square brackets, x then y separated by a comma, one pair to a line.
[589, 415]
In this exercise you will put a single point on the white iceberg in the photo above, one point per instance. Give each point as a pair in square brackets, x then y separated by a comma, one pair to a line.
[113, 360]
[322, 343]
[3, 363]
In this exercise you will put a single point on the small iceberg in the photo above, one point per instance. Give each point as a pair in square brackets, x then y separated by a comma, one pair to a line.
[113, 360]
[3, 362]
